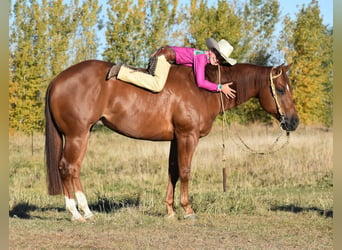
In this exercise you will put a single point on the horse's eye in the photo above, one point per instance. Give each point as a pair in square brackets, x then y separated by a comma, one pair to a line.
[281, 91]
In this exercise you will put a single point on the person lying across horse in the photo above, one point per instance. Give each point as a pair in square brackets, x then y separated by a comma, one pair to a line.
[155, 77]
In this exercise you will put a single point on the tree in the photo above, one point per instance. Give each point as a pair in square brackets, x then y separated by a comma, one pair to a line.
[261, 16]
[45, 37]
[84, 42]
[309, 47]
[125, 33]
[160, 21]
[327, 106]
[28, 44]
[219, 22]
[136, 28]
[63, 21]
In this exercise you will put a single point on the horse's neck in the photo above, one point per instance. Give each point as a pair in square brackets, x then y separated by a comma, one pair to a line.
[248, 80]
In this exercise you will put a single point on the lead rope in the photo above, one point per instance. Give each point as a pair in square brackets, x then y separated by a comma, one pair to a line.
[223, 156]
[223, 118]
[271, 149]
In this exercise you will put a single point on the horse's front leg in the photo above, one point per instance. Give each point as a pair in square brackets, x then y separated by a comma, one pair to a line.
[186, 146]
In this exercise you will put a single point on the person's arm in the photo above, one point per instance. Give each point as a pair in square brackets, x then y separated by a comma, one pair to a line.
[200, 61]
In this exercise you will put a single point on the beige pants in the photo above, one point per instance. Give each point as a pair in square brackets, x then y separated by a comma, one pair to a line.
[154, 83]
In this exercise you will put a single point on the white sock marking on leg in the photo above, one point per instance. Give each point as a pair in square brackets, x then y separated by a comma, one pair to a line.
[70, 205]
[83, 204]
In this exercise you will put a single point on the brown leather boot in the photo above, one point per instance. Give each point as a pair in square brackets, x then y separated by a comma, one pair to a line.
[167, 51]
[169, 54]
[114, 71]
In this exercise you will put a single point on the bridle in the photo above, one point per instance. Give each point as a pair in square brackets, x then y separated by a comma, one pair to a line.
[279, 110]
[275, 97]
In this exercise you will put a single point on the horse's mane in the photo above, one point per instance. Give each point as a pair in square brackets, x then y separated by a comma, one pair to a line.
[243, 76]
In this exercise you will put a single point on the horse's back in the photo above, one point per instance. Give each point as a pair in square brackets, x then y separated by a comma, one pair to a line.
[88, 68]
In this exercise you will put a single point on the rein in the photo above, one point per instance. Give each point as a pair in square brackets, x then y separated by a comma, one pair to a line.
[271, 148]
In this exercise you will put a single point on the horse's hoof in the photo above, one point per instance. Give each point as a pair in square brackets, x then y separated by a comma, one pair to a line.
[170, 216]
[80, 219]
[90, 217]
[190, 217]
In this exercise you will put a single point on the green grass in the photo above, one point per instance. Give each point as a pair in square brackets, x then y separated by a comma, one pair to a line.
[277, 201]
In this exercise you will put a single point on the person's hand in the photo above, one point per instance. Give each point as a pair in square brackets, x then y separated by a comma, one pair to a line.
[228, 91]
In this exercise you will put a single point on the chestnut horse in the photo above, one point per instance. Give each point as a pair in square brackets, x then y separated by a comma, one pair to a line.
[181, 113]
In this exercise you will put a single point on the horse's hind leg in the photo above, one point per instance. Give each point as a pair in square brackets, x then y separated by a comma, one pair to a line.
[70, 168]
[173, 178]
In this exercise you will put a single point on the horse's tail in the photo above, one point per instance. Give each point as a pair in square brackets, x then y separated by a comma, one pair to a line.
[53, 150]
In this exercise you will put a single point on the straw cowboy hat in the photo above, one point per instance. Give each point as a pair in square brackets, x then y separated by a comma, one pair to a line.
[223, 47]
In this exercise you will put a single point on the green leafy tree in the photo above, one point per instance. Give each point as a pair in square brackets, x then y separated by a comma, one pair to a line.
[327, 107]
[219, 22]
[28, 46]
[308, 44]
[136, 28]
[45, 37]
[162, 16]
[125, 33]
[260, 17]
[84, 41]
[63, 21]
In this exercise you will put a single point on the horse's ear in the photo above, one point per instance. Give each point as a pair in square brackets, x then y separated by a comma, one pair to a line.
[278, 69]
[286, 68]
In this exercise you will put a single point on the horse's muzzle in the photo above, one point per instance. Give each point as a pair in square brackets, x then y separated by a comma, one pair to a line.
[289, 123]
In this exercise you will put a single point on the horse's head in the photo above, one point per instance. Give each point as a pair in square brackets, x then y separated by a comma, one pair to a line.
[276, 98]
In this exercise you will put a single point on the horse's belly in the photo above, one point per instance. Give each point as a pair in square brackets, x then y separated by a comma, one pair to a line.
[141, 128]
[140, 115]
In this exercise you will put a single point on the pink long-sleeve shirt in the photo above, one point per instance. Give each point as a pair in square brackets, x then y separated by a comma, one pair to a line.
[197, 59]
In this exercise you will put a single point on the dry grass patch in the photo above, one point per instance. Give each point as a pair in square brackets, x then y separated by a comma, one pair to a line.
[278, 201]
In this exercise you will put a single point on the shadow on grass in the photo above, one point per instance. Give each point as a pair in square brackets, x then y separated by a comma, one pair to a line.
[23, 209]
[295, 209]
[102, 205]
[105, 205]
